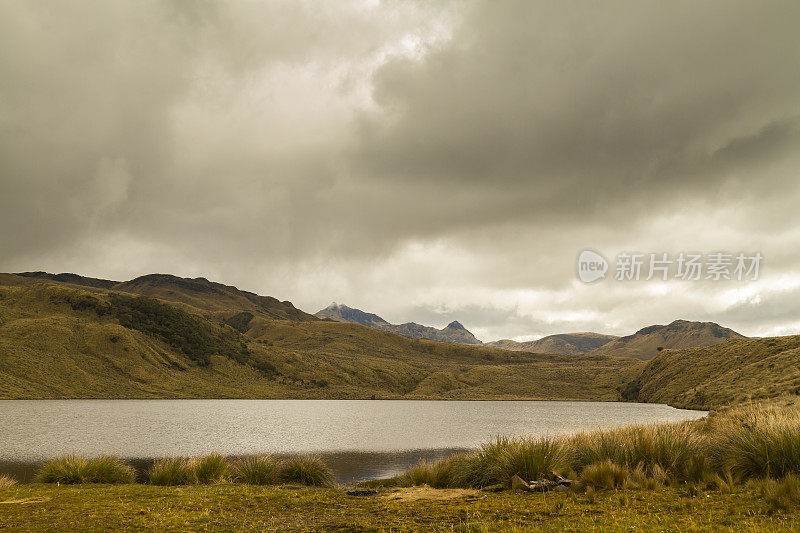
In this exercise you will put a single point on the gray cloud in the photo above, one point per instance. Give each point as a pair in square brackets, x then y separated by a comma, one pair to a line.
[426, 162]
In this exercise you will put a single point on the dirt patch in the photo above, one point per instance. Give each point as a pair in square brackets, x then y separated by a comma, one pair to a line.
[424, 492]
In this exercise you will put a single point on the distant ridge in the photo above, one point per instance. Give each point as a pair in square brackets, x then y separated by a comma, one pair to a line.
[199, 293]
[453, 332]
[680, 334]
[562, 343]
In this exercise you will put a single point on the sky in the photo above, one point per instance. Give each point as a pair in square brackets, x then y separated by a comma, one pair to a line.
[425, 161]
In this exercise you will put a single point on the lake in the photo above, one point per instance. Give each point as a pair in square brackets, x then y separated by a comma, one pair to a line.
[360, 439]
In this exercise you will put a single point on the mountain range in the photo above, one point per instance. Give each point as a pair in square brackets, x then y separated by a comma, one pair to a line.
[453, 332]
[644, 344]
[162, 336]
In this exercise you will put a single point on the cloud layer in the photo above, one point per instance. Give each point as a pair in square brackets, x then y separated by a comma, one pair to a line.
[423, 162]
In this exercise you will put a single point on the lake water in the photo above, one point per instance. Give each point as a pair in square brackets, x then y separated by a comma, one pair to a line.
[360, 439]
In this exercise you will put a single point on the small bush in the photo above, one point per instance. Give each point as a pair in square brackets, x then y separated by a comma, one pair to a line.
[73, 469]
[307, 470]
[7, 481]
[170, 471]
[258, 470]
[209, 469]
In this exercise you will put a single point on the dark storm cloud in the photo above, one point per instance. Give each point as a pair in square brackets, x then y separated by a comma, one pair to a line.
[424, 159]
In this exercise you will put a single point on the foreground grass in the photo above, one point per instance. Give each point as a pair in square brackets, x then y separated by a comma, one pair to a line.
[226, 507]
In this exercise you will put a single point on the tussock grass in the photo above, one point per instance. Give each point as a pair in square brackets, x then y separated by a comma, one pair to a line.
[7, 481]
[170, 471]
[257, 470]
[729, 448]
[209, 469]
[72, 469]
[758, 444]
[606, 475]
[781, 495]
[307, 470]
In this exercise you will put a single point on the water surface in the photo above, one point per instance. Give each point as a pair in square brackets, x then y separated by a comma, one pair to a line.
[361, 439]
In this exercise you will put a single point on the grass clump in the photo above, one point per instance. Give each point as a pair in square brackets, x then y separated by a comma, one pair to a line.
[671, 450]
[257, 470]
[606, 475]
[307, 470]
[73, 469]
[7, 481]
[209, 469]
[531, 459]
[781, 495]
[759, 444]
[170, 471]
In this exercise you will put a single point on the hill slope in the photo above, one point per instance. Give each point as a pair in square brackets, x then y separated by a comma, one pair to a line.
[67, 340]
[730, 372]
[453, 332]
[562, 343]
[644, 344]
[198, 293]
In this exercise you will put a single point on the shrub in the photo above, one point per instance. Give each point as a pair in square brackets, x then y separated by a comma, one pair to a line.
[209, 469]
[72, 469]
[307, 470]
[7, 481]
[170, 471]
[257, 470]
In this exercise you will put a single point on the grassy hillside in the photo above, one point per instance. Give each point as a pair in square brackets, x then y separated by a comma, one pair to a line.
[725, 374]
[646, 343]
[67, 340]
[563, 343]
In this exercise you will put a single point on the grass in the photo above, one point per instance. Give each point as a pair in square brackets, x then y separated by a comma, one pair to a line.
[7, 481]
[719, 452]
[256, 470]
[74, 469]
[783, 494]
[209, 469]
[307, 470]
[759, 443]
[234, 507]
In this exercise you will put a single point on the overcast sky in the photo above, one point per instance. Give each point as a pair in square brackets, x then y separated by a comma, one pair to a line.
[426, 161]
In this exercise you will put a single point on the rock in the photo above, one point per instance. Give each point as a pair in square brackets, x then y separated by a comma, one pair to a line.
[362, 492]
[517, 483]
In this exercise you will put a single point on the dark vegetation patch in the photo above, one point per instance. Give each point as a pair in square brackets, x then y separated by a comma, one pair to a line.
[196, 338]
[240, 321]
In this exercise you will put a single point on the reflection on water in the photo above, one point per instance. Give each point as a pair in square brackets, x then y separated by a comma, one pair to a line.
[360, 439]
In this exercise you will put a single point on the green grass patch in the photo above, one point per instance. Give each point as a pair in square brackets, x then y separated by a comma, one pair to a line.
[256, 470]
[73, 469]
[307, 470]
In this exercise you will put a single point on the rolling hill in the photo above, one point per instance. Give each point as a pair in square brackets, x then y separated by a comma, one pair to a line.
[727, 373]
[81, 338]
[645, 343]
[453, 332]
[563, 343]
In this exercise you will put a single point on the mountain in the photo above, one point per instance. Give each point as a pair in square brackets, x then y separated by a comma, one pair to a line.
[733, 371]
[645, 343]
[563, 343]
[453, 332]
[76, 337]
[196, 293]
